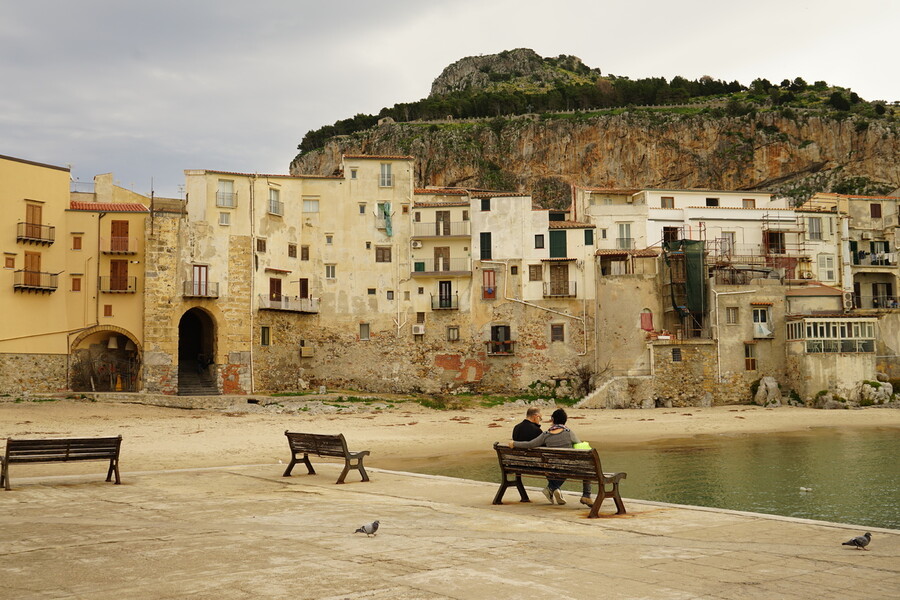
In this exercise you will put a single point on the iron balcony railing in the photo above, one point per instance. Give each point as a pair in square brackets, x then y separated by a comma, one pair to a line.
[874, 259]
[201, 289]
[386, 180]
[35, 232]
[445, 302]
[442, 229]
[560, 289]
[625, 243]
[226, 199]
[817, 346]
[289, 303]
[276, 207]
[118, 285]
[501, 348]
[118, 245]
[440, 265]
[35, 280]
[882, 301]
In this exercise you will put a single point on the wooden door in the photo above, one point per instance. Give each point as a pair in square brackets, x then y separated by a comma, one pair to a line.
[118, 241]
[559, 279]
[304, 288]
[32, 269]
[442, 223]
[33, 216]
[118, 275]
[275, 289]
[489, 284]
[442, 258]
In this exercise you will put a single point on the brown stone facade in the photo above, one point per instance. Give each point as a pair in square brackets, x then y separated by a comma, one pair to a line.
[32, 373]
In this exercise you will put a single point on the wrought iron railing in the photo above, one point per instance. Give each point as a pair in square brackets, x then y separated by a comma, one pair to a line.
[35, 232]
[560, 289]
[201, 289]
[118, 284]
[442, 229]
[118, 245]
[35, 280]
[289, 303]
[501, 348]
[226, 199]
[440, 265]
[882, 301]
[445, 302]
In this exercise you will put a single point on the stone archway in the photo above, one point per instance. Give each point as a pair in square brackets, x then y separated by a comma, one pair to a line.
[196, 353]
[105, 359]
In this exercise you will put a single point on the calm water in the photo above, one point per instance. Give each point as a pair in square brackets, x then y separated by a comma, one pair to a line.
[854, 474]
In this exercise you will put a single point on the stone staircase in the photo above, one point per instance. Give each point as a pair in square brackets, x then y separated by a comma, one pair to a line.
[192, 383]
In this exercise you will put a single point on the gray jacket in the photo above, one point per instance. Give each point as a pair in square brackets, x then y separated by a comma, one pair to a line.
[558, 436]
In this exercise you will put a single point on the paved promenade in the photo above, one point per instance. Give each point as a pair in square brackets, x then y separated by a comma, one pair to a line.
[246, 532]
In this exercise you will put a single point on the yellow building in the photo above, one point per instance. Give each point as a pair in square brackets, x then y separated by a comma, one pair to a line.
[71, 308]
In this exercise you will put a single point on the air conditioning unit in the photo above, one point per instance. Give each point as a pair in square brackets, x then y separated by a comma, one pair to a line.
[306, 352]
[848, 301]
[867, 235]
[418, 329]
[416, 244]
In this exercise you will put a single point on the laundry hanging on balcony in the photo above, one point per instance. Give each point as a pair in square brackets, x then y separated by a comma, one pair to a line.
[386, 213]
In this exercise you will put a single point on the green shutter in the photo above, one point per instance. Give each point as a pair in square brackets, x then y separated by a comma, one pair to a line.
[558, 244]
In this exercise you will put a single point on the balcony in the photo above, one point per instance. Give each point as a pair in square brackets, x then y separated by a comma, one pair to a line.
[118, 285]
[625, 243]
[276, 208]
[501, 348]
[226, 199]
[35, 280]
[560, 289]
[200, 289]
[35, 233]
[876, 259]
[442, 229]
[386, 180]
[424, 267]
[445, 302]
[289, 303]
[118, 245]
[876, 302]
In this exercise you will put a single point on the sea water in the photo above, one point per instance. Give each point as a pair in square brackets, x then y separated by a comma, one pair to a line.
[847, 475]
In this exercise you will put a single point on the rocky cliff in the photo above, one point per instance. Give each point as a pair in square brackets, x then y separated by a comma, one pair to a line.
[791, 152]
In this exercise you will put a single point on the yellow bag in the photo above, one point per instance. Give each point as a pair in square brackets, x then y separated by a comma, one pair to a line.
[582, 446]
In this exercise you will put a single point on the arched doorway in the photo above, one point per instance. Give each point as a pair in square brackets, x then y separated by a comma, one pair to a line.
[105, 360]
[196, 353]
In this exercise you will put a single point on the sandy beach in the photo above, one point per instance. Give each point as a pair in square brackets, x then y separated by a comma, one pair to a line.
[398, 435]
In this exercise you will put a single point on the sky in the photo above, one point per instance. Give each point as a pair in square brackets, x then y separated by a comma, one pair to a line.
[145, 90]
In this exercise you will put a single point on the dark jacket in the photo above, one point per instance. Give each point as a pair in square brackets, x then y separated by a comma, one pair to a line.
[526, 431]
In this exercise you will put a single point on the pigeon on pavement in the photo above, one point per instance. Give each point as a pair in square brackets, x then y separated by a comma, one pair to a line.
[371, 528]
[859, 542]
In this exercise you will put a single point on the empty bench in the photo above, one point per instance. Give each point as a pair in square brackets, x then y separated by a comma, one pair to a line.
[333, 446]
[61, 450]
[557, 463]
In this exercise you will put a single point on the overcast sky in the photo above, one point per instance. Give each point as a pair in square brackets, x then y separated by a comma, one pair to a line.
[148, 89]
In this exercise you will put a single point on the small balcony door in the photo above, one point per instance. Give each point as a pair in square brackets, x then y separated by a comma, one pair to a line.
[442, 223]
[275, 289]
[200, 280]
[304, 288]
[489, 284]
[118, 275]
[445, 294]
[33, 216]
[442, 258]
[118, 241]
[32, 268]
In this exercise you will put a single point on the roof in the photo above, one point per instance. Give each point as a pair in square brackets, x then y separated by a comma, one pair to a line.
[558, 259]
[272, 175]
[706, 191]
[814, 289]
[763, 208]
[490, 194]
[31, 162]
[440, 204]
[132, 207]
[570, 225]
[643, 253]
[378, 157]
[441, 191]
[761, 303]
[619, 191]
[857, 196]
[827, 315]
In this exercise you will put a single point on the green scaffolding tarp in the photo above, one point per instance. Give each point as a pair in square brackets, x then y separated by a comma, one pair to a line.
[695, 281]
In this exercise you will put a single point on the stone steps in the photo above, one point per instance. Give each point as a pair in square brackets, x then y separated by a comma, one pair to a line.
[191, 383]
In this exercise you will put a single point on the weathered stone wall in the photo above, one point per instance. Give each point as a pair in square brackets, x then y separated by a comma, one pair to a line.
[161, 291]
[690, 381]
[32, 373]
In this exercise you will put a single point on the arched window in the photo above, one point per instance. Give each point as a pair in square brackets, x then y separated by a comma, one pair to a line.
[647, 319]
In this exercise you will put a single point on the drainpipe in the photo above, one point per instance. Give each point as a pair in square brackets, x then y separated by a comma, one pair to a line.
[252, 278]
[97, 286]
[716, 310]
[544, 308]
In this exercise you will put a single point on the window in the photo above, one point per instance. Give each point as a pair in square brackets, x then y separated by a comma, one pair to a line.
[875, 210]
[670, 234]
[362, 209]
[371, 291]
[588, 237]
[76, 242]
[406, 294]
[761, 322]
[107, 310]
[488, 284]
[225, 194]
[676, 354]
[465, 215]
[363, 332]
[304, 252]
[557, 332]
[624, 241]
[826, 267]
[310, 205]
[731, 315]
[453, 333]
[712, 201]
[292, 250]
[647, 319]
[421, 291]
[329, 239]
[539, 241]
[330, 271]
[815, 227]
[387, 178]
[353, 173]
[774, 242]
[264, 336]
[405, 209]
[514, 270]
[275, 205]
[485, 204]
[383, 254]
[748, 203]
[224, 218]
[485, 238]
[845, 335]
[76, 284]
[501, 340]
[667, 202]
[390, 294]
[602, 234]
[535, 273]
[420, 317]
[9, 262]
[260, 245]
[368, 245]
[417, 217]
[750, 357]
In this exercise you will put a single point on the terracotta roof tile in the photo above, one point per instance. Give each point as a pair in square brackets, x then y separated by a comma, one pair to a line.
[609, 190]
[272, 175]
[643, 253]
[108, 206]
[558, 259]
[439, 204]
[489, 194]
[815, 289]
[441, 191]
[570, 225]
[379, 157]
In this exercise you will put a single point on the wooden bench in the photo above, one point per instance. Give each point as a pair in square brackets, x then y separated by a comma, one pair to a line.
[324, 445]
[557, 463]
[61, 450]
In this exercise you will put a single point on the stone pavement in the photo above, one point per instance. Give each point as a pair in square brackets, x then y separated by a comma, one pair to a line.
[246, 532]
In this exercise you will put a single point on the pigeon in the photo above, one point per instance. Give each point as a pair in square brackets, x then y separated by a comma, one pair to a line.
[371, 528]
[859, 542]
